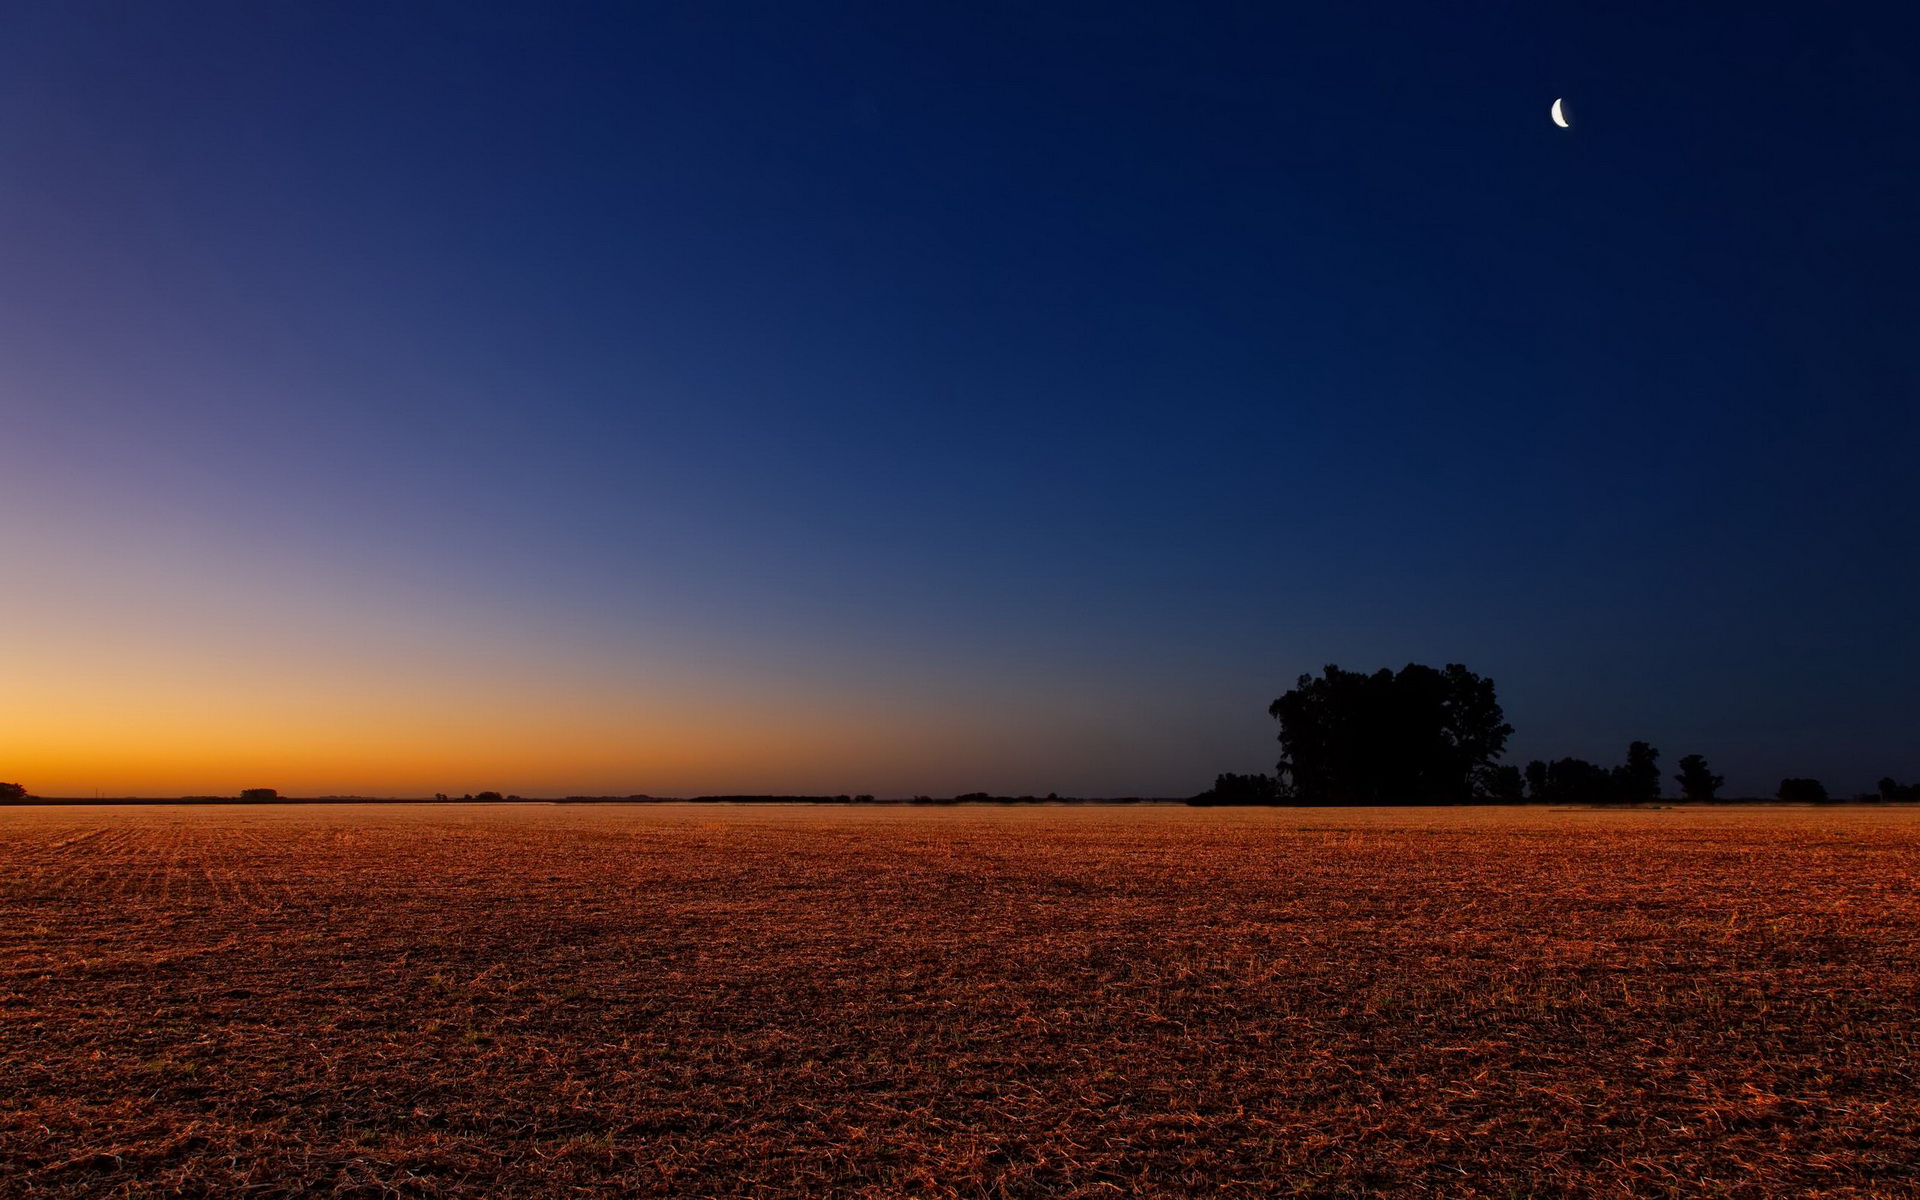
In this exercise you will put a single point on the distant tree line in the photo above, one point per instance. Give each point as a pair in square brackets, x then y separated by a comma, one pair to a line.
[1636, 781]
[962, 798]
[1413, 736]
[1426, 736]
[17, 792]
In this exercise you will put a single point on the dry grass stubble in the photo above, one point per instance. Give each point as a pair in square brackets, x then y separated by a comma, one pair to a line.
[680, 1001]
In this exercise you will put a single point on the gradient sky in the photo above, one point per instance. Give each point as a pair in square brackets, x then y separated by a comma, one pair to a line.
[889, 398]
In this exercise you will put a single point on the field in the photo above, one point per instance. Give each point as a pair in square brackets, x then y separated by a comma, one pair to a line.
[554, 1000]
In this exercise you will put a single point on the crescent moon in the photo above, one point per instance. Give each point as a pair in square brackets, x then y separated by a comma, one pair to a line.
[1559, 117]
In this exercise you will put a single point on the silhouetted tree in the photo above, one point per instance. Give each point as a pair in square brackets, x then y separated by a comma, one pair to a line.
[259, 794]
[13, 791]
[488, 796]
[1506, 784]
[1637, 781]
[1415, 735]
[1576, 779]
[1240, 789]
[1802, 791]
[1696, 781]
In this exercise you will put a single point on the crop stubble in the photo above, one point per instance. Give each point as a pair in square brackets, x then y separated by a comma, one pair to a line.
[1074, 1002]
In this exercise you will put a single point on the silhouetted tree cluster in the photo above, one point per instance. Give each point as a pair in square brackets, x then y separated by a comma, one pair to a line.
[1802, 791]
[259, 794]
[1568, 779]
[1697, 782]
[1240, 789]
[1636, 781]
[1420, 735]
[12, 791]
[1506, 784]
[1416, 735]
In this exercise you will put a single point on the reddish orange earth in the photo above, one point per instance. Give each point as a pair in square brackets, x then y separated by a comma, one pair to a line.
[679, 1001]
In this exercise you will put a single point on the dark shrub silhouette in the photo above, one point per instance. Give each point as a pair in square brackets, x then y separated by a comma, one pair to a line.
[259, 794]
[1802, 791]
[1893, 793]
[1575, 779]
[1637, 781]
[1506, 784]
[1570, 779]
[488, 796]
[1240, 789]
[1386, 738]
[12, 791]
[1696, 781]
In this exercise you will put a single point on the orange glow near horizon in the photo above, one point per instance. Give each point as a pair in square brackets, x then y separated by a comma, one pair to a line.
[210, 673]
[154, 660]
[179, 688]
[387, 735]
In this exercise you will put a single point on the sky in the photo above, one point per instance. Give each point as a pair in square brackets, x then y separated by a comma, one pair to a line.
[732, 397]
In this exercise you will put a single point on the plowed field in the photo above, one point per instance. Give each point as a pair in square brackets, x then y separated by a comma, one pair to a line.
[655, 1001]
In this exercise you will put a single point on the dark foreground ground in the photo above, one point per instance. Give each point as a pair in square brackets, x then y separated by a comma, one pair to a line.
[1100, 1002]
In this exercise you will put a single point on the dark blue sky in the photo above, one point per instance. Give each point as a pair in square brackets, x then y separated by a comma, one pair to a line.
[1070, 377]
